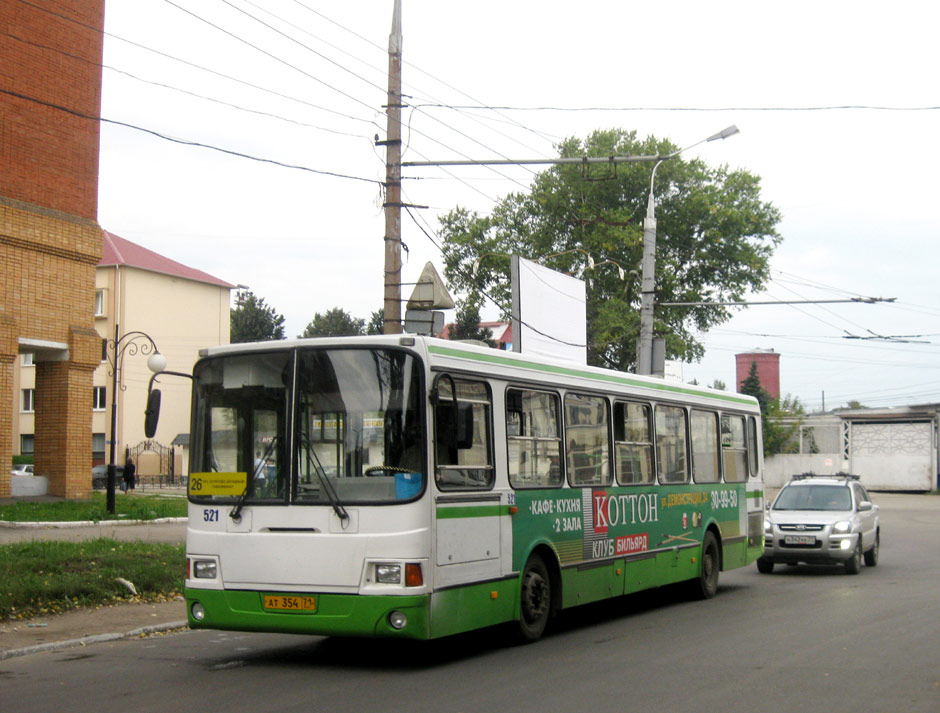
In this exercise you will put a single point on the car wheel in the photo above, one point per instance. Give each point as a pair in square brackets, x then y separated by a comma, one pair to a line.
[871, 557]
[536, 600]
[765, 565]
[853, 565]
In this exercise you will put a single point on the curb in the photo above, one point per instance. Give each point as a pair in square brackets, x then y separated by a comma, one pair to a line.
[95, 639]
[91, 523]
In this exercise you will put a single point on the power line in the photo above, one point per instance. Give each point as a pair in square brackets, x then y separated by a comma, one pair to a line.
[186, 142]
[844, 107]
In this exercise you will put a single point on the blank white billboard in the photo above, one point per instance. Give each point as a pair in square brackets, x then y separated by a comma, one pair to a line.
[549, 312]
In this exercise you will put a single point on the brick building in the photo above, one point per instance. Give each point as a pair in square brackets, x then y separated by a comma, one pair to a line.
[50, 240]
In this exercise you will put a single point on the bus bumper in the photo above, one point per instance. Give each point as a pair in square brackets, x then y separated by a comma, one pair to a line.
[335, 614]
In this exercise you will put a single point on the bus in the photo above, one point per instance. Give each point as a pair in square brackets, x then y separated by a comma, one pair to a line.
[406, 486]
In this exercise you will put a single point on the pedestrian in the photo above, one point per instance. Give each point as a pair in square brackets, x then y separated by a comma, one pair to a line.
[129, 472]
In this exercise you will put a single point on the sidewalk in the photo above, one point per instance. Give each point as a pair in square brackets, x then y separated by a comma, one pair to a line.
[87, 626]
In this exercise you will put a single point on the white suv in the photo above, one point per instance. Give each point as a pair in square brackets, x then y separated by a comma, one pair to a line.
[821, 520]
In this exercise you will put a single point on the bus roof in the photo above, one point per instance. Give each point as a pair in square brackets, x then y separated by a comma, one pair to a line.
[443, 353]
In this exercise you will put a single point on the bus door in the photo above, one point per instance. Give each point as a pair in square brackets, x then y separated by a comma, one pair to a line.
[467, 530]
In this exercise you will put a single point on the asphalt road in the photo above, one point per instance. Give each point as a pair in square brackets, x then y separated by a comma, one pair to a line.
[801, 639]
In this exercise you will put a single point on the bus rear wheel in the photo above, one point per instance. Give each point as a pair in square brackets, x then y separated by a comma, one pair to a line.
[705, 586]
[536, 600]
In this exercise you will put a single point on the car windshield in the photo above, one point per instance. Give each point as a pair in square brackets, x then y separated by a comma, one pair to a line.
[814, 497]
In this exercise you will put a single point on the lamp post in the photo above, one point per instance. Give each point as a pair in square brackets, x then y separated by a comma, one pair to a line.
[131, 343]
[644, 355]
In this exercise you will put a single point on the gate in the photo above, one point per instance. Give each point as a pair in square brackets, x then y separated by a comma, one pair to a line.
[155, 463]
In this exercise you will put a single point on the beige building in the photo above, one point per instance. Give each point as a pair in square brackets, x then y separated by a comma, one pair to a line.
[140, 293]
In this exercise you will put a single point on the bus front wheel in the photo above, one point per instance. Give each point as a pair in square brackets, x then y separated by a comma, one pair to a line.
[536, 599]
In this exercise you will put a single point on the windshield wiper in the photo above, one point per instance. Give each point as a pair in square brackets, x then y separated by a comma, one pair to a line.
[236, 512]
[314, 461]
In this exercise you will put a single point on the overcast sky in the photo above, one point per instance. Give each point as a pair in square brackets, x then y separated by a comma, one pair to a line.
[302, 82]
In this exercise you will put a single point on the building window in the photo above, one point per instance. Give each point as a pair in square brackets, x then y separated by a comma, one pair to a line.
[29, 359]
[104, 350]
[99, 303]
[97, 445]
[27, 444]
[28, 400]
[100, 400]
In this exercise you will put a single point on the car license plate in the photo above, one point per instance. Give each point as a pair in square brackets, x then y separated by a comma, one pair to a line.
[799, 540]
[283, 602]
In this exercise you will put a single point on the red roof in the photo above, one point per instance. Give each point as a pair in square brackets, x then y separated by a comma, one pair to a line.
[118, 251]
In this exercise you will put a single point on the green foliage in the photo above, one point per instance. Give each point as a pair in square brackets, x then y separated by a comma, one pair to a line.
[47, 577]
[21, 459]
[334, 323]
[714, 239]
[376, 323]
[127, 507]
[719, 385]
[254, 321]
[780, 420]
[467, 325]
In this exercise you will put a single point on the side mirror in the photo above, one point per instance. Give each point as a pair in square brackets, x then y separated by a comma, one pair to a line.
[864, 506]
[152, 413]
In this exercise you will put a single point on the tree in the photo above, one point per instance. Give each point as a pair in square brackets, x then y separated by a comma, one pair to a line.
[714, 240]
[334, 323]
[251, 320]
[719, 385]
[467, 325]
[781, 420]
[376, 323]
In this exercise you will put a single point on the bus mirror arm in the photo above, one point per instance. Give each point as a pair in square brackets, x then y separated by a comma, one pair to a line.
[152, 412]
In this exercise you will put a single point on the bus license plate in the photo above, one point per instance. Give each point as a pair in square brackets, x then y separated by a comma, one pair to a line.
[799, 540]
[281, 602]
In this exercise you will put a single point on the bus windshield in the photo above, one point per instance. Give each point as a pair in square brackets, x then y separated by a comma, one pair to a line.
[311, 426]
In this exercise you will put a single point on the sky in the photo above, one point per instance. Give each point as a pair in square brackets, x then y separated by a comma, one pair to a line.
[302, 83]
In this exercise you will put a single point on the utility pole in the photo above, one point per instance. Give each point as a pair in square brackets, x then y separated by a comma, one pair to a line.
[392, 307]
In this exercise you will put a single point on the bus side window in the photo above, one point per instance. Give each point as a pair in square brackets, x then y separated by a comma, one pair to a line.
[633, 443]
[533, 439]
[752, 445]
[588, 440]
[671, 439]
[705, 463]
[734, 448]
[462, 437]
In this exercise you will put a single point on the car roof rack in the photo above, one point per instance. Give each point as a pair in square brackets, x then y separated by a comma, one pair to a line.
[844, 476]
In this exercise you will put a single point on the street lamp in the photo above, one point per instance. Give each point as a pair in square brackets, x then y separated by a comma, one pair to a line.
[644, 352]
[131, 343]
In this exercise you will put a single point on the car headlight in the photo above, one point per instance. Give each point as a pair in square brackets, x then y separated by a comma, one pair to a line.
[768, 526]
[842, 526]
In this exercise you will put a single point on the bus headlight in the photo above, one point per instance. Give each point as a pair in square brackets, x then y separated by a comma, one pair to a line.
[198, 611]
[205, 569]
[388, 573]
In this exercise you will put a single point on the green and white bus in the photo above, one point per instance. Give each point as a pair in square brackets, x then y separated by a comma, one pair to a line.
[403, 486]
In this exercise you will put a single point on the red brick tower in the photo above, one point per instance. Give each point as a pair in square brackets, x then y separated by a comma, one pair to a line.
[768, 369]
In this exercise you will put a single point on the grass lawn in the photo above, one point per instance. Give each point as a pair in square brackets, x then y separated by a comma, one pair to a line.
[47, 577]
[127, 507]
